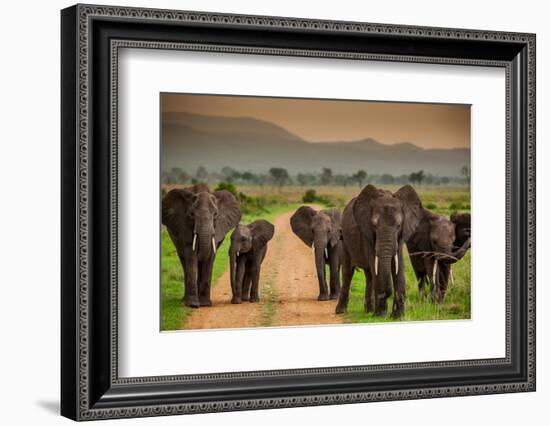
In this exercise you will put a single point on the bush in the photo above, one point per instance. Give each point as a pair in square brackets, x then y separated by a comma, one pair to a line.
[228, 186]
[431, 206]
[252, 205]
[311, 196]
[455, 206]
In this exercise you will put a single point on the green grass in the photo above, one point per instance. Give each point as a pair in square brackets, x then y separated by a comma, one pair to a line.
[174, 312]
[456, 304]
[441, 200]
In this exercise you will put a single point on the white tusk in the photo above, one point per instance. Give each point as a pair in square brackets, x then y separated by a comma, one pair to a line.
[238, 253]
[452, 277]
[214, 245]
[396, 264]
[375, 265]
[194, 241]
[435, 271]
[312, 247]
[326, 253]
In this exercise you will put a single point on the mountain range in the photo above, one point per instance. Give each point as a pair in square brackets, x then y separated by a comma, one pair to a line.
[249, 144]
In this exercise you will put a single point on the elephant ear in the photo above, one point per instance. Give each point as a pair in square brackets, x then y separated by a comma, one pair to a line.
[362, 209]
[336, 218]
[229, 213]
[412, 209]
[175, 206]
[300, 222]
[262, 232]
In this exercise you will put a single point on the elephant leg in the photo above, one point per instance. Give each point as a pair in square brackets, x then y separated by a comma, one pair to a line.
[246, 284]
[399, 289]
[444, 274]
[191, 297]
[347, 275]
[206, 279]
[334, 274]
[255, 281]
[239, 284]
[369, 292]
[421, 285]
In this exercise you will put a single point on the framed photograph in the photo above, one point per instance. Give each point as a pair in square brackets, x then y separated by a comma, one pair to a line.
[263, 212]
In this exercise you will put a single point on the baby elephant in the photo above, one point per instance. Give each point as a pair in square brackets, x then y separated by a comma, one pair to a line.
[322, 231]
[246, 254]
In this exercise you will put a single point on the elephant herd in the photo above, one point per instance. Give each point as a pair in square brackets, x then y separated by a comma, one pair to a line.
[369, 234]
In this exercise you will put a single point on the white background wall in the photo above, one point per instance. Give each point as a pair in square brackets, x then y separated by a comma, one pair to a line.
[29, 212]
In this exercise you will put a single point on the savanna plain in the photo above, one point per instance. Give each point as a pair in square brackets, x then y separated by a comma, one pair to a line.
[288, 283]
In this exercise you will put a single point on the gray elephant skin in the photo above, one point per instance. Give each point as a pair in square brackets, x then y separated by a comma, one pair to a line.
[322, 230]
[246, 254]
[375, 226]
[197, 221]
[434, 247]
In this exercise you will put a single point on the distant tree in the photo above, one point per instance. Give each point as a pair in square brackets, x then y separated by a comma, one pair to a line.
[417, 177]
[201, 174]
[302, 179]
[445, 180]
[305, 179]
[360, 176]
[249, 177]
[342, 179]
[326, 176]
[280, 176]
[387, 179]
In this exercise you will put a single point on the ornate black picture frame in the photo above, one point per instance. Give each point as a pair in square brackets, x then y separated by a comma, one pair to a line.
[91, 36]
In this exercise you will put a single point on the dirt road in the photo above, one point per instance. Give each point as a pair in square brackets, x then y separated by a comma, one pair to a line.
[288, 290]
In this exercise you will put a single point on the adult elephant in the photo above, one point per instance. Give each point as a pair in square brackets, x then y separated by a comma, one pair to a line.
[197, 221]
[322, 230]
[462, 222]
[375, 226]
[433, 248]
[246, 254]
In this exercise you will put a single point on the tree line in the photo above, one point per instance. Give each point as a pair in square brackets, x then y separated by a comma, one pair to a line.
[280, 177]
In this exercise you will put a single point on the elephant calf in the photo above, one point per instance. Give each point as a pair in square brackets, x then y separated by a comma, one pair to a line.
[435, 246]
[246, 254]
[323, 232]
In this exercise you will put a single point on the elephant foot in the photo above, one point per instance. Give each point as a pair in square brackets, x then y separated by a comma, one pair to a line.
[236, 300]
[341, 309]
[369, 308]
[334, 296]
[245, 298]
[397, 314]
[191, 301]
[254, 299]
[205, 301]
[323, 297]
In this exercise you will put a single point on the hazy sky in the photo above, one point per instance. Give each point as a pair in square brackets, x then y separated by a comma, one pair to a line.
[425, 125]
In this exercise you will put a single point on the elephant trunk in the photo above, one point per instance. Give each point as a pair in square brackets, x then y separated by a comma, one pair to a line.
[455, 256]
[320, 250]
[206, 245]
[386, 252]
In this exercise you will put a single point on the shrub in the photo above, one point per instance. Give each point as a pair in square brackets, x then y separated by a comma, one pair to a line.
[455, 206]
[311, 196]
[431, 206]
[228, 186]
